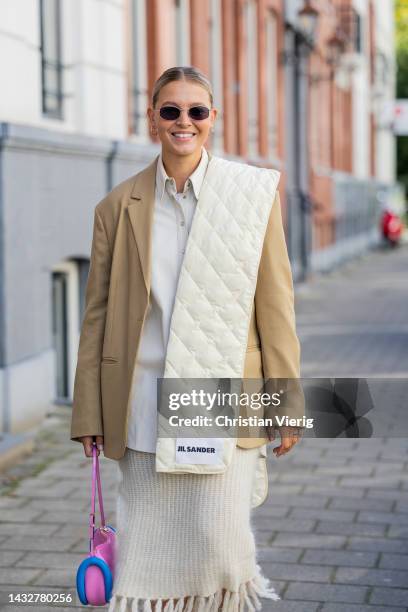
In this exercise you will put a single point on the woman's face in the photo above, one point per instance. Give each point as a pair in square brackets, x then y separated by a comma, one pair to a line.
[182, 94]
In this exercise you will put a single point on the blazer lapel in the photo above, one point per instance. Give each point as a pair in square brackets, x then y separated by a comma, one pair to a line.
[140, 211]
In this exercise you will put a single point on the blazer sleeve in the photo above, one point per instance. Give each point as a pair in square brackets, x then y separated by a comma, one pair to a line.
[86, 417]
[275, 317]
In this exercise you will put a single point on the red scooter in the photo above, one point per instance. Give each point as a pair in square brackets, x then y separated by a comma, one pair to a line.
[391, 227]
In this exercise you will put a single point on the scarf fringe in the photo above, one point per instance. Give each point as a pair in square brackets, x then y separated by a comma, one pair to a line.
[246, 599]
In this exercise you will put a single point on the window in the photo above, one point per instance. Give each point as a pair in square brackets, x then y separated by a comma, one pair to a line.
[251, 29]
[51, 66]
[216, 70]
[272, 82]
[138, 63]
[182, 33]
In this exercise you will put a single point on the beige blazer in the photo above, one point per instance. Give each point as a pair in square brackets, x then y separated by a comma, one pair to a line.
[116, 300]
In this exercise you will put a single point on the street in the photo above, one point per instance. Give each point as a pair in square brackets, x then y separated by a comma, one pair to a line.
[333, 533]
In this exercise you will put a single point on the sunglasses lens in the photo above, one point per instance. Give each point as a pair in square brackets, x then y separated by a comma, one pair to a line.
[198, 113]
[169, 112]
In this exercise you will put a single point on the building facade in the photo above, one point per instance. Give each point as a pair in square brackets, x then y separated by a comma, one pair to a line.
[300, 86]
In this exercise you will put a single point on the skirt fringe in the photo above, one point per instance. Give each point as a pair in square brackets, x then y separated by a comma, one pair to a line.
[244, 600]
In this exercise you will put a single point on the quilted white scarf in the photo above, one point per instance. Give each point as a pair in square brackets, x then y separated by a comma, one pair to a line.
[216, 288]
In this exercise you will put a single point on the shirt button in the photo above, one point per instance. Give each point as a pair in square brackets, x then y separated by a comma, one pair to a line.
[184, 197]
[182, 223]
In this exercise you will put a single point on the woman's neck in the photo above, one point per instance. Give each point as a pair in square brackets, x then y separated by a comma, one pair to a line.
[180, 167]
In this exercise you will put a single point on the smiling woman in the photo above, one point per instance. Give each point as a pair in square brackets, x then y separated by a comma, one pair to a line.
[182, 116]
[210, 299]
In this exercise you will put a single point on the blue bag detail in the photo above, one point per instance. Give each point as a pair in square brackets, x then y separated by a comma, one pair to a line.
[80, 578]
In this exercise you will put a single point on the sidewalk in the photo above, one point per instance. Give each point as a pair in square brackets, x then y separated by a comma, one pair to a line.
[332, 535]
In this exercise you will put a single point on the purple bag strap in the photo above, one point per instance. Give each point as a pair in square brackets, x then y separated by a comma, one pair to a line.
[96, 478]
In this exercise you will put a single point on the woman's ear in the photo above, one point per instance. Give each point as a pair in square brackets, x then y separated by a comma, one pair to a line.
[214, 113]
[153, 126]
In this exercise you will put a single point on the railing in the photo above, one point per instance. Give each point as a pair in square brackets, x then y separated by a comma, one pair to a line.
[352, 225]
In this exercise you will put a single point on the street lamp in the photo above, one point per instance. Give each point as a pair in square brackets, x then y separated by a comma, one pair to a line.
[307, 22]
[304, 30]
[335, 45]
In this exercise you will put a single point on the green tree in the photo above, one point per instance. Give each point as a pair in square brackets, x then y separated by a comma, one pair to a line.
[401, 30]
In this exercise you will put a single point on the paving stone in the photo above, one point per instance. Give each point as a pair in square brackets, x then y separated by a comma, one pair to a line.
[386, 596]
[358, 529]
[342, 470]
[57, 505]
[324, 515]
[378, 505]
[283, 489]
[398, 531]
[57, 577]
[73, 531]
[383, 481]
[297, 572]
[373, 577]
[326, 592]
[10, 502]
[9, 557]
[309, 540]
[402, 506]
[357, 608]
[50, 559]
[20, 515]
[308, 478]
[390, 561]
[391, 518]
[27, 529]
[284, 524]
[37, 543]
[340, 491]
[289, 606]
[59, 491]
[401, 496]
[9, 575]
[268, 510]
[387, 466]
[377, 544]
[300, 501]
[280, 554]
[340, 557]
[72, 516]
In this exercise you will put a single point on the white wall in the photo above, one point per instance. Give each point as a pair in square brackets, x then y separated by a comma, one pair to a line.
[20, 99]
[361, 100]
[94, 77]
[385, 91]
[376, 99]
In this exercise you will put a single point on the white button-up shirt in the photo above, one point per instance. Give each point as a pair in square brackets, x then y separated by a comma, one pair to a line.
[172, 219]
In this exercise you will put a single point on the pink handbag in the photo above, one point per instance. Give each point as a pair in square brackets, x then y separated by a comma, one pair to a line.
[95, 574]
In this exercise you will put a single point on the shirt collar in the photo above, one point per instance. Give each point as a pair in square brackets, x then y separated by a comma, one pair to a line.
[195, 177]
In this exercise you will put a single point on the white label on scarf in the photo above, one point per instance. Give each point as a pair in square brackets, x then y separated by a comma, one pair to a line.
[199, 450]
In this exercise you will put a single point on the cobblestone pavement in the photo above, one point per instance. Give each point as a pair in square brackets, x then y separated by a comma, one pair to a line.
[332, 535]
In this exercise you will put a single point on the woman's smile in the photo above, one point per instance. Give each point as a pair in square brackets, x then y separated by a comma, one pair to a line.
[183, 136]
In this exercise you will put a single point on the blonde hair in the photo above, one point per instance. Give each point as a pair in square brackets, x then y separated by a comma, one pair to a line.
[181, 73]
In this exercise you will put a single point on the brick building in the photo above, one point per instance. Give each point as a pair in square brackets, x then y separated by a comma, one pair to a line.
[300, 86]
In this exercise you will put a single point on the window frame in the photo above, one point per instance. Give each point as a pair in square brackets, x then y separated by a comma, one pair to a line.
[46, 64]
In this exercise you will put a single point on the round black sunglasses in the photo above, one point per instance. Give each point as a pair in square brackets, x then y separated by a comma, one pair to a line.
[196, 113]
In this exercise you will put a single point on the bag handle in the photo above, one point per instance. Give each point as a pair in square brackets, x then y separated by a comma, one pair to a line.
[96, 478]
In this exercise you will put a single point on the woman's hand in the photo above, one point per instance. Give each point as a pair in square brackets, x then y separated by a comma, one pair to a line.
[289, 437]
[87, 441]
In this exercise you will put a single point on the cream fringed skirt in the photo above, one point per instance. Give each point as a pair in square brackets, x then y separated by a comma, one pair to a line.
[187, 539]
